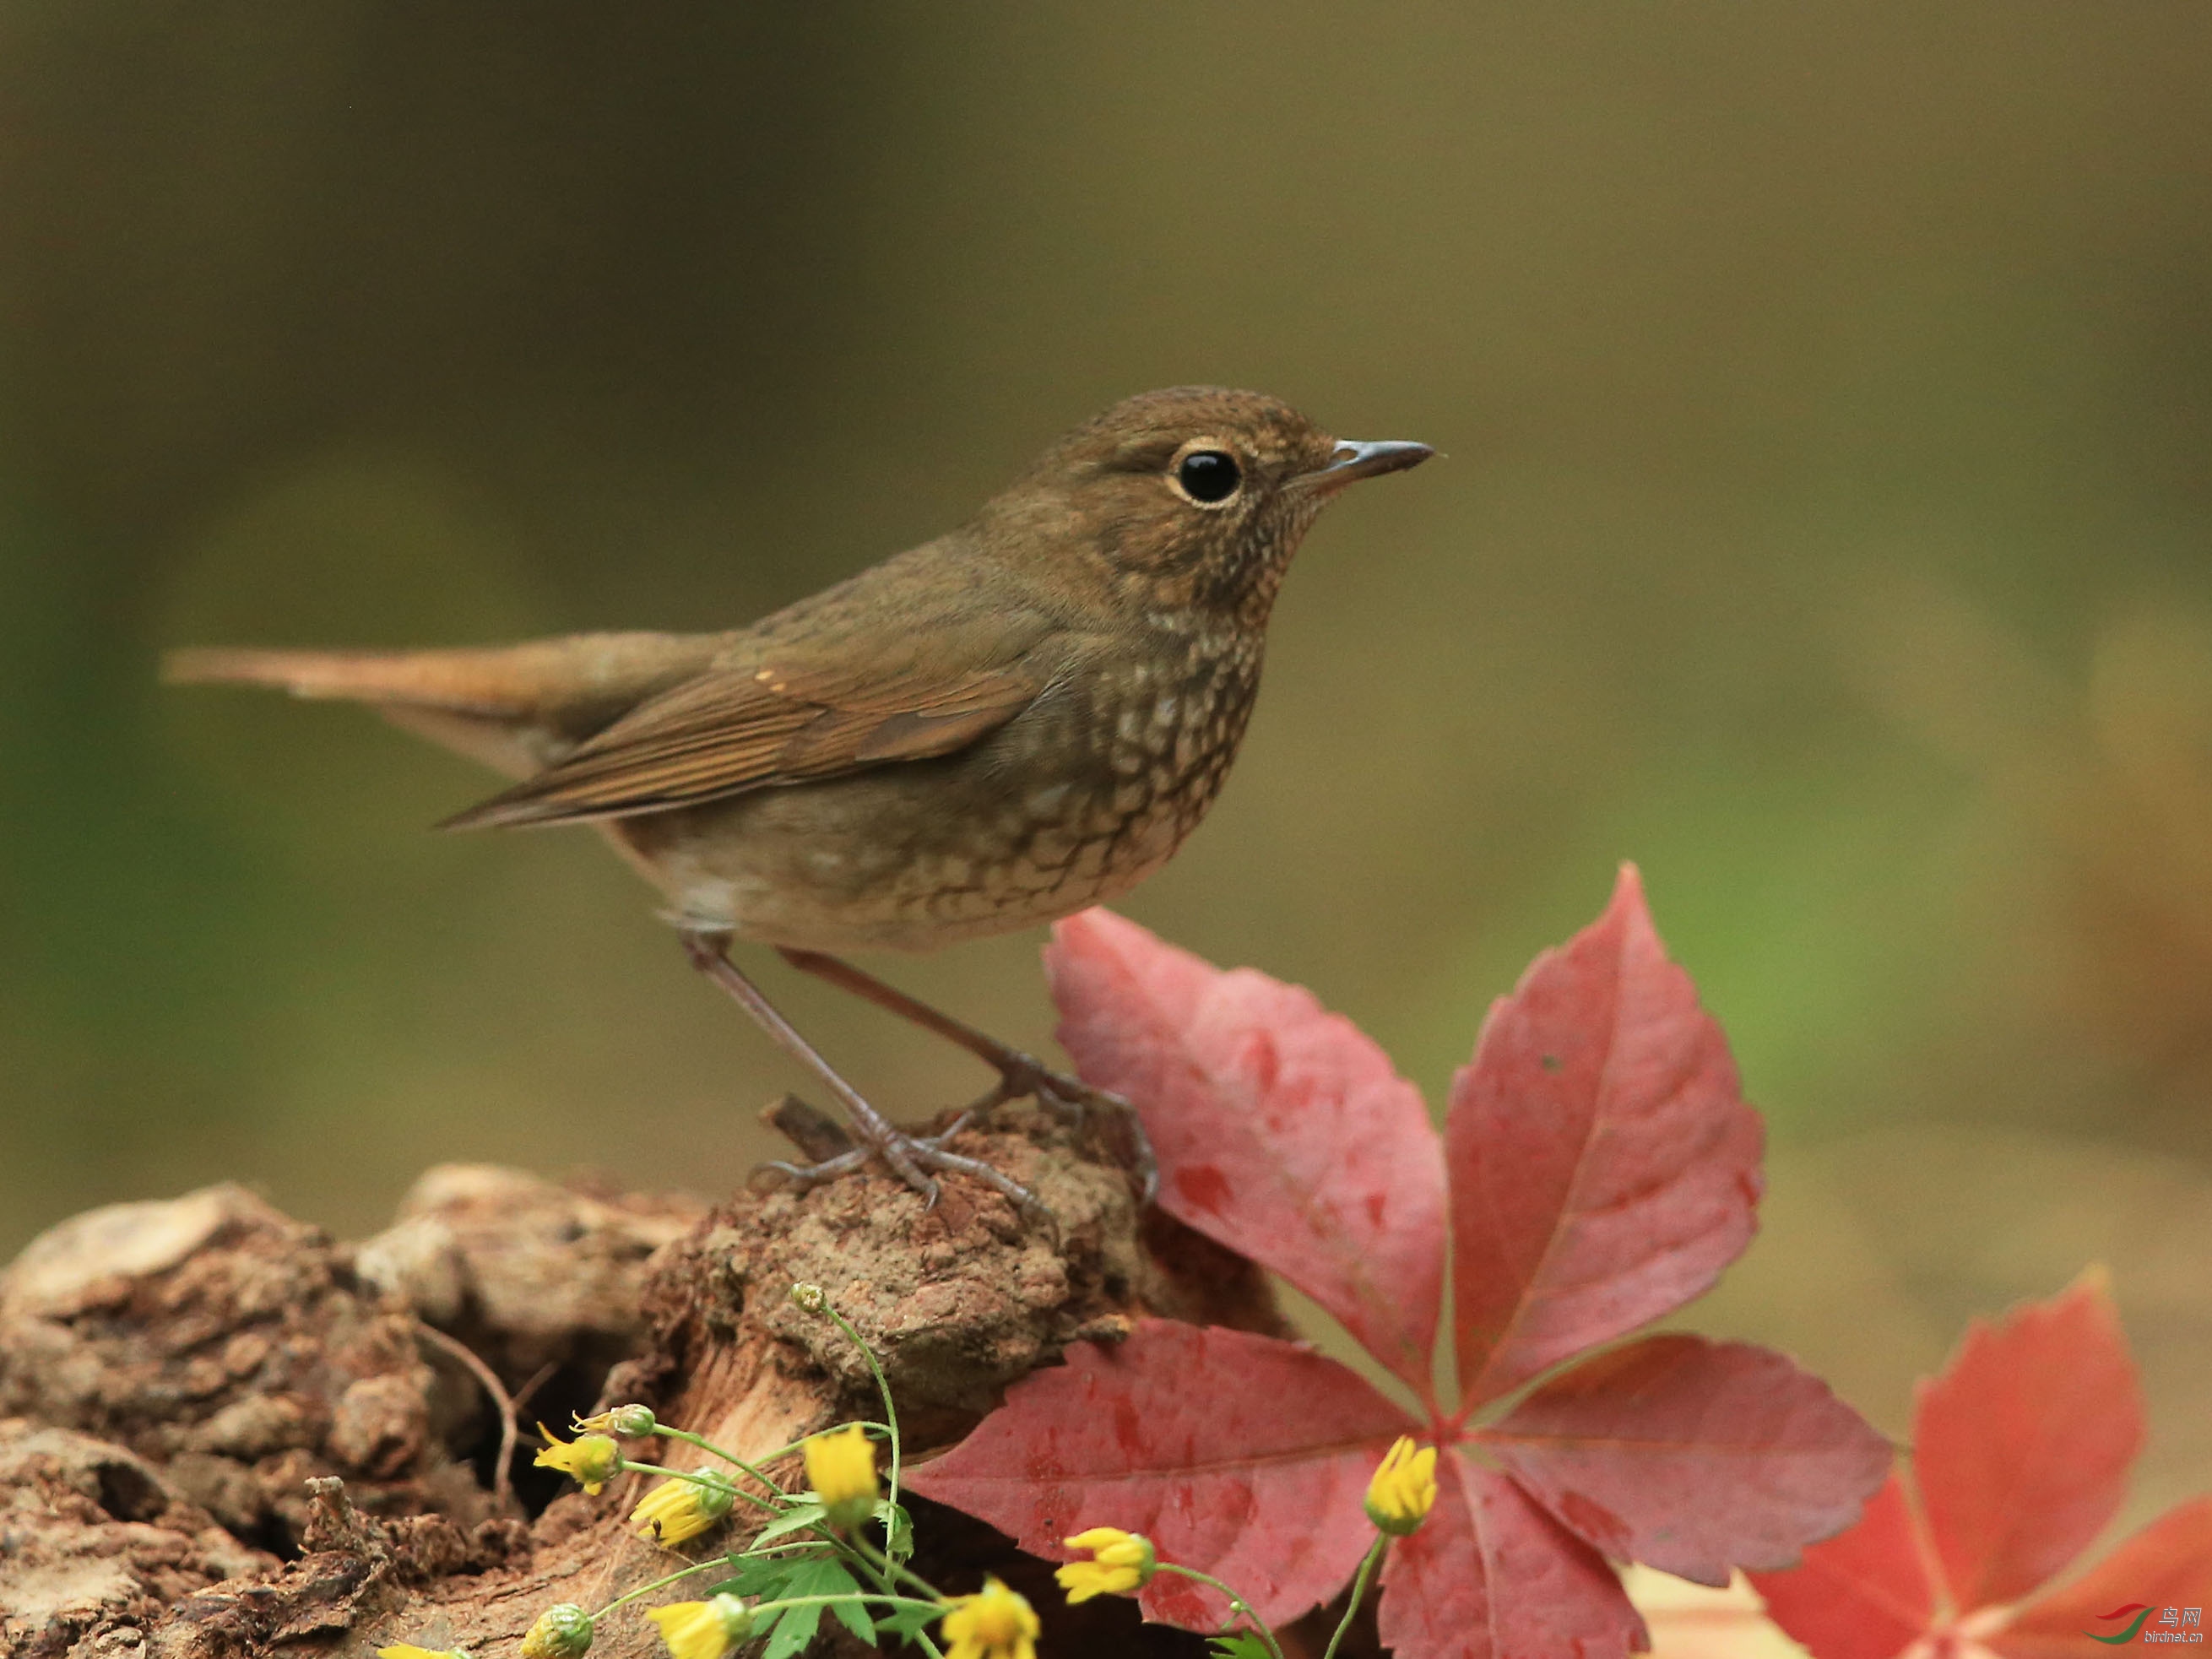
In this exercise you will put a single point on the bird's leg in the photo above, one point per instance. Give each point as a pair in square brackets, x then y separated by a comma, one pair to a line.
[910, 1157]
[1019, 1074]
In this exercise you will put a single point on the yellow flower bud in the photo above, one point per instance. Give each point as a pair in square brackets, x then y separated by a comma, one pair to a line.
[995, 1623]
[631, 1420]
[409, 1651]
[1404, 1488]
[678, 1509]
[560, 1632]
[593, 1459]
[1121, 1561]
[702, 1630]
[841, 1466]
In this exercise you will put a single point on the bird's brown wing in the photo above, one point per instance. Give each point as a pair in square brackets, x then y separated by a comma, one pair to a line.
[781, 717]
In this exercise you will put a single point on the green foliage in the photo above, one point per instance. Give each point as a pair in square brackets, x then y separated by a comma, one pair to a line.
[898, 1531]
[801, 1516]
[765, 1578]
[905, 1623]
[814, 1574]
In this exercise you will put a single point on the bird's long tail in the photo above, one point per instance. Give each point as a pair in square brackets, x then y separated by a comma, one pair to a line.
[516, 709]
[488, 682]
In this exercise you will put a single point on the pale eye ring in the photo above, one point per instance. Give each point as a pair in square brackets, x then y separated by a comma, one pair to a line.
[1207, 478]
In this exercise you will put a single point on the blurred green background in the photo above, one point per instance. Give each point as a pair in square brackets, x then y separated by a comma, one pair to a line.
[1827, 392]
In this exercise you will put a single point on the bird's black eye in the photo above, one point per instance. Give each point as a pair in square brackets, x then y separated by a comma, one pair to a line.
[1208, 475]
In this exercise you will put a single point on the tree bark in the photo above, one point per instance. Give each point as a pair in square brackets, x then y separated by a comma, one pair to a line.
[223, 1435]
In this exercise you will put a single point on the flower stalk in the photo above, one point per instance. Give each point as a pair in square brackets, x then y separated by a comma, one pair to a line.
[1237, 1604]
[1368, 1563]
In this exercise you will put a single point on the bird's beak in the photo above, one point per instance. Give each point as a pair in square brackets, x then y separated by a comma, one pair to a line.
[1354, 461]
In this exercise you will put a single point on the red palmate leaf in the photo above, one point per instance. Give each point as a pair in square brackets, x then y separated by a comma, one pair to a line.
[1241, 1456]
[2167, 1563]
[2022, 1445]
[1692, 1456]
[1282, 1131]
[1604, 1167]
[1864, 1595]
[2020, 1453]
[1490, 1576]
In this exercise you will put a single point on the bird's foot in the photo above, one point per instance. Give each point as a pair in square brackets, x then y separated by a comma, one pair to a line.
[1022, 1076]
[1019, 1074]
[915, 1159]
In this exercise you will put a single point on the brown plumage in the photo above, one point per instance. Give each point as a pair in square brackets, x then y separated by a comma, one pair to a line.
[1021, 718]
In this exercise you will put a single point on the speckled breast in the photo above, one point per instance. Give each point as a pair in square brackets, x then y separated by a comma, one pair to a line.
[1071, 803]
[1120, 779]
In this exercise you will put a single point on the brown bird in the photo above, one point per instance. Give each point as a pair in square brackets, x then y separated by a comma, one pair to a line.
[993, 730]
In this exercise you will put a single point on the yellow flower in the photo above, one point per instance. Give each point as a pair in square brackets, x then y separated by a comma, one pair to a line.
[560, 1632]
[678, 1510]
[1121, 1561]
[1404, 1488]
[593, 1459]
[409, 1651]
[841, 1466]
[702, 1630]
[992, 1624]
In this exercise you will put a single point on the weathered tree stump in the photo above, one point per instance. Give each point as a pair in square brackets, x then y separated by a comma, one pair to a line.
[223, 1435]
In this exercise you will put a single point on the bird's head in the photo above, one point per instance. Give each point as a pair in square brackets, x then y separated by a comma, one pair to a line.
[1197, 497]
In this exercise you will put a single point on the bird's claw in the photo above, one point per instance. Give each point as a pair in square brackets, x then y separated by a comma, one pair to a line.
[911, 1157]
[1073, 1100]
[806, 1175]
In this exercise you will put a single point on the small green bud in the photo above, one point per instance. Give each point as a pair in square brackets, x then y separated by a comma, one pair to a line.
[716, 1493]
[813, 1297]
[560, 1632]
[737, 1618]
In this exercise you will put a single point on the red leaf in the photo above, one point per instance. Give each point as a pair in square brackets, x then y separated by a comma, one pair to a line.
[1604, 1167]
[1692, 1456]
[1490, 1576]
[2167, 1563]
[2022, 1445]
[1282, 1131]
[1865, 1595]
[1241, 1456]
